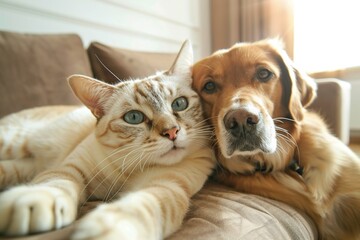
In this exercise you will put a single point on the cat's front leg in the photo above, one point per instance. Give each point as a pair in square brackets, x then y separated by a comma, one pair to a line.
[154, 205]
[33, 209]
[17, 171]
[110, 221]
[136, 216]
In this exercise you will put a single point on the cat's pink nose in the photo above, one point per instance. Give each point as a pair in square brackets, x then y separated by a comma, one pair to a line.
[171, 133]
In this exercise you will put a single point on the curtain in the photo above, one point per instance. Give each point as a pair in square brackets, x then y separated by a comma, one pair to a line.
[251, 20]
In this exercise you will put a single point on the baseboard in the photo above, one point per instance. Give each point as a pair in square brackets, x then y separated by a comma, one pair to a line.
[355, 136]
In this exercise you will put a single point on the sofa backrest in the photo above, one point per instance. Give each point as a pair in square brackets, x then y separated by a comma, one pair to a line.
[124, 63]
[34, 69]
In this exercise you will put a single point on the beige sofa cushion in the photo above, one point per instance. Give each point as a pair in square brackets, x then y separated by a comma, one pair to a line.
[34, 69]
[218, 212]
[124, 63]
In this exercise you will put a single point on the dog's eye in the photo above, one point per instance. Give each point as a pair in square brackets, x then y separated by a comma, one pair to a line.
[264, 75]
[210, 87]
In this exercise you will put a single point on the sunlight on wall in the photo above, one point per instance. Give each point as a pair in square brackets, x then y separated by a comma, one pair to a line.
[327, 34]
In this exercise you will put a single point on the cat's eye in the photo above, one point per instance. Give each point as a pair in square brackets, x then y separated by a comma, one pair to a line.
[264, 74]
[179, 104]
[210, 87]
[134, 117]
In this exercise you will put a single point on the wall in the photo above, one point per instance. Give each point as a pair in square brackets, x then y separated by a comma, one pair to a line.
[355, 108]
[145, 25]
[326, 40]
[352, 75]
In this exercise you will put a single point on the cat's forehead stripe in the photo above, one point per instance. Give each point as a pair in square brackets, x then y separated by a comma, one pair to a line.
[161, 88]
[139, 91]
[151, 92]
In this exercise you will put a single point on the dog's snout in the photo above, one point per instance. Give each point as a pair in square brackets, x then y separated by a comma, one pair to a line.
[240, 120]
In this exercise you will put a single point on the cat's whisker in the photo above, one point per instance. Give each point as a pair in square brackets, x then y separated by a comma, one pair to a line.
[136, 160]
[117, 151]
[202, 122]
[144, 163]
[101, 183]
[107, 68]
[97, 171]
[125, 169]
[204, 139]
[120, 188]
[203, 128]
[115, 181]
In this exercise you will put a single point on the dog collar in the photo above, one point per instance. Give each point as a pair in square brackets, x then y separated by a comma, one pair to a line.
[260, 168]
[295, 166]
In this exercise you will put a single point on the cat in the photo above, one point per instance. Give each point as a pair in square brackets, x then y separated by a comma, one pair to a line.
[143, 149]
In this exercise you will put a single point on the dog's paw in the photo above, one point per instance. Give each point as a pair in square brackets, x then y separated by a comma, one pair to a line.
[33, 209]
[107, 222]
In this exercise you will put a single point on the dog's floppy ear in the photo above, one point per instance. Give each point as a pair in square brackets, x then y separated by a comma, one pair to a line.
[307, 87]
[299, 89]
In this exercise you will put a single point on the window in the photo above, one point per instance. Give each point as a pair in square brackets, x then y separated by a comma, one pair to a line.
[326, 34]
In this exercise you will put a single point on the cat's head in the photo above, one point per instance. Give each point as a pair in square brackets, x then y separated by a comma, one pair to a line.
[157, 119]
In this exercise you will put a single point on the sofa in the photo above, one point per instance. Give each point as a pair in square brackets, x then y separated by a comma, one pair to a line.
[33, 72]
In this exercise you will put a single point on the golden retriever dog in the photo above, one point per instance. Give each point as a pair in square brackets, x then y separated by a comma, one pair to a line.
[269, 144]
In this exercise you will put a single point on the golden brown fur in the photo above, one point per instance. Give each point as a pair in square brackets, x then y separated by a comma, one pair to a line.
[256, 101]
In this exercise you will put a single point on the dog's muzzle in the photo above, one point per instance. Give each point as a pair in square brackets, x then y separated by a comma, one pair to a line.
[247, 132]
[241, 122]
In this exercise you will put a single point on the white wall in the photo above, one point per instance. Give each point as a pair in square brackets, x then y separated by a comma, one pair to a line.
[145, 25]
[355, 106]
[325, 39]
[352, 75]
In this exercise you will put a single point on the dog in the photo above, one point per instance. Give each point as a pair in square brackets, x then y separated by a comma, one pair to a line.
[268, 143]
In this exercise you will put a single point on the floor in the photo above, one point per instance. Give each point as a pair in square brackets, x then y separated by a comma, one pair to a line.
[355, 145]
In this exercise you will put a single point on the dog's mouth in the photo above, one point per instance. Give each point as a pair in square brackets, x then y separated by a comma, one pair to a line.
[245, 133]
[250, 145]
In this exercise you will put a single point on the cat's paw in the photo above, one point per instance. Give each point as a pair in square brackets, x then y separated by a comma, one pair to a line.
[108, 223]
[32, 209]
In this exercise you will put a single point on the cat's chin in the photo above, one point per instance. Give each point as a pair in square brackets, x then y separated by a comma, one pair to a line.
[174, 155]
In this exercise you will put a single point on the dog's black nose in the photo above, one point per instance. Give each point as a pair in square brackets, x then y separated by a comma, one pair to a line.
[240, 121]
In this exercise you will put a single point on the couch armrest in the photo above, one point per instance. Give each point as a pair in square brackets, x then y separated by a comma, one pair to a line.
[333, 103]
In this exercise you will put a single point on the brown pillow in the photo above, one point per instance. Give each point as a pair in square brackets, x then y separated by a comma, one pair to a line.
[34, 68]
[126, 64]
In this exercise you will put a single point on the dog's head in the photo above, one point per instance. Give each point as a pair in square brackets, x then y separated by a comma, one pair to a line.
[254, 98]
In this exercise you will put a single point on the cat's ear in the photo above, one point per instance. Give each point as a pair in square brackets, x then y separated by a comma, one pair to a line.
[183, 61]
[91, 92]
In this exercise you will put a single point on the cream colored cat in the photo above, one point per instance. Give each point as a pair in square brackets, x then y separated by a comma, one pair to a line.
[147, 155]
